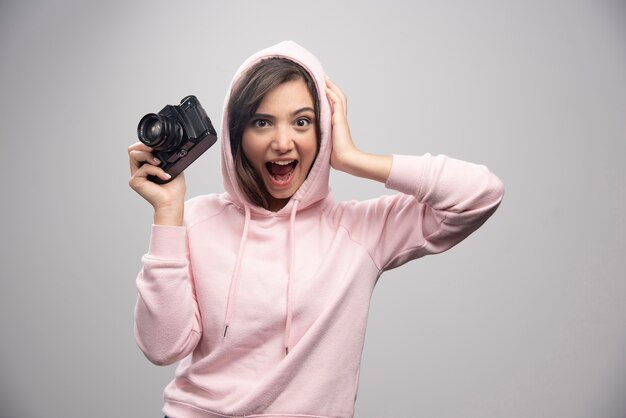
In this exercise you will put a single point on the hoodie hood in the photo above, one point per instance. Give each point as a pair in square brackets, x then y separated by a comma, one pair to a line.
[315, 187]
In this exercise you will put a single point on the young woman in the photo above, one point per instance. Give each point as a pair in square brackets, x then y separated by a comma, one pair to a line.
[262, 292]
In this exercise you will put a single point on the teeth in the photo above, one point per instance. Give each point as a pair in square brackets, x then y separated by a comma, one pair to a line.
[283, 162]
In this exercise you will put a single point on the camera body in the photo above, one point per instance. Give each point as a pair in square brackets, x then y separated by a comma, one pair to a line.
[178, 135]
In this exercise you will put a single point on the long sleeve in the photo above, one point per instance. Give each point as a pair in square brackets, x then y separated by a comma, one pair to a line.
[167, 318]
[442, 200]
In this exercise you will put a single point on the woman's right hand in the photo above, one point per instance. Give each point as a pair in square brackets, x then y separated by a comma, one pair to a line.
[160, 196]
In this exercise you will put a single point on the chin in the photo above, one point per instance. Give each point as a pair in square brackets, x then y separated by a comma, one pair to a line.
[283, 194]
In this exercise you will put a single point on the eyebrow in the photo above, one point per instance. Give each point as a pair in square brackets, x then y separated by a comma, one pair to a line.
[268, 116]
[304, 109]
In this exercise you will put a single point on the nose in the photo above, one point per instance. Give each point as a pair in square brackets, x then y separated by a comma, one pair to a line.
[282, 142]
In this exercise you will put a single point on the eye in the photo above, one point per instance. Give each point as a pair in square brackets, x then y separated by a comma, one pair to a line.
[302, 122]
[260, 123]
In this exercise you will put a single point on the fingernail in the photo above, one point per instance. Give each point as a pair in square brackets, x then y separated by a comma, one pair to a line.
[168, 175]
[156, 160]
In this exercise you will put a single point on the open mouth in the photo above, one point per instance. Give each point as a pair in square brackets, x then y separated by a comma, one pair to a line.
[281, 171]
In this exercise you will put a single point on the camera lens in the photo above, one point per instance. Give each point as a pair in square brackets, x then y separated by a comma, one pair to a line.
[153, 131]
[160, 132]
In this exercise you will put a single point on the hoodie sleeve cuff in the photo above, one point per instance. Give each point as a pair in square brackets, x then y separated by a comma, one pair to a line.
[406, 172]
[168, 242]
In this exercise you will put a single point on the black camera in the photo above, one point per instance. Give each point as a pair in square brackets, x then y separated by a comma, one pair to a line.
[178, 135]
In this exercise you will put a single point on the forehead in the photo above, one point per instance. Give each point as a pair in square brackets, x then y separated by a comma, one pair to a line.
[289, 95]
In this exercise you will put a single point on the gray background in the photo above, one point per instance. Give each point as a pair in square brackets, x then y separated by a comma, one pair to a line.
[526, 318]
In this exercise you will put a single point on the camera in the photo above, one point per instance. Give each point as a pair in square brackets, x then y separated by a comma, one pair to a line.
[178, 135]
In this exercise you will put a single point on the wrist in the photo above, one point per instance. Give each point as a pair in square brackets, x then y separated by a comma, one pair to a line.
[171, 215]
[347, 160]
[369, 166]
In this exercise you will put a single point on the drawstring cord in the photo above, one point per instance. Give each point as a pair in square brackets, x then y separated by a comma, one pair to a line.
[292, 264]
[235, 277]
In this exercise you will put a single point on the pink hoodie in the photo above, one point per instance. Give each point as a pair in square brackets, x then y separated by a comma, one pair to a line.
[267, 310]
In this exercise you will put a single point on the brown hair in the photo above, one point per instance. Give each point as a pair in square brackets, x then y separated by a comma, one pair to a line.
[245, 99]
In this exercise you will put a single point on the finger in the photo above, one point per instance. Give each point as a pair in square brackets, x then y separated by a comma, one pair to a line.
[333, 99]
[142, 156]
[139, 146]
[336, 88]
[145, 170]
[337, 103]
[344, 100]
[138, 158]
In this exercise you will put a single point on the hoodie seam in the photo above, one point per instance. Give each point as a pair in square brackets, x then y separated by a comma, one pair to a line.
[413, 248]
[381, 269]
[180, 261]
[360, 244]
[281, 214]
[188, 405]
[222, 209]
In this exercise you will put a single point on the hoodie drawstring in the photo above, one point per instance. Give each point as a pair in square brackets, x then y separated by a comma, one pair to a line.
[292, 263]
[235, 277]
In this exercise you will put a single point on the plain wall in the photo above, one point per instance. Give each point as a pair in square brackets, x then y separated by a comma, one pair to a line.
[526, 318]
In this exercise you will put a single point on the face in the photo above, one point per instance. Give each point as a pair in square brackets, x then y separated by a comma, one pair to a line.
[280, 140]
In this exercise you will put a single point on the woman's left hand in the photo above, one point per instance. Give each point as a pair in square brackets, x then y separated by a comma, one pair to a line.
[343, 147]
